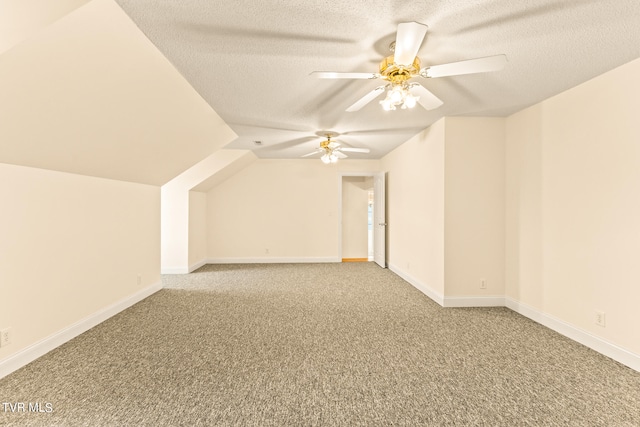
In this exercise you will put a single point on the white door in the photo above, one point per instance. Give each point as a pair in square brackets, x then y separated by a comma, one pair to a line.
[379, 220]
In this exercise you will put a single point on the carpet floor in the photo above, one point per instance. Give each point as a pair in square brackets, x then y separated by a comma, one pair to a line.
[317, 345]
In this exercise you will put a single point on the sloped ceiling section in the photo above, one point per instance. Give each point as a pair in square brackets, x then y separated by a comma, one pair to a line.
[233, 161]
[208, 168]
[91, 95]
[19, 19]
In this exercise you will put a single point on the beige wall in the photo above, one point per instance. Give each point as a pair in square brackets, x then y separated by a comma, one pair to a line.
[278, 210]
[523, 214]
[174, 231]
[355, 200]
[474, 206]
[197, 228]
[179, 210]
[574, 174]
[445, 203]
[415, 208]
[71, 246]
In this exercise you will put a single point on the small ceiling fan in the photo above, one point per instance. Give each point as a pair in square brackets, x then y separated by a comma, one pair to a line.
[333, 151]
[399, 68]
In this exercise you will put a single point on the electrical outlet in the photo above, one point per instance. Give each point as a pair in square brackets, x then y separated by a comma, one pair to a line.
[5, 337]
[600, 318]
[483, 284]
[266, 251]
[139, 279]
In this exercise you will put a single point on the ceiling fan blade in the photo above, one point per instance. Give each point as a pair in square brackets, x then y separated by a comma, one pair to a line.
[338, 75]
[428, 100]
[470, 66]
[249, 127]
[319, 150]
[408, 40]
[278, 146]
[377, 132]
[340, 154]
[333, 145]
[366, 99]
[355, 150]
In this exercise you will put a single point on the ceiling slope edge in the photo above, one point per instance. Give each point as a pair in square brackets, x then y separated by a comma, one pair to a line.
[21, 19]
[246, 159]
[211, 171]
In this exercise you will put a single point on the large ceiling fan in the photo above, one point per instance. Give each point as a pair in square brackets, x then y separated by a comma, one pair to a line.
[332, 151]
[399, 68]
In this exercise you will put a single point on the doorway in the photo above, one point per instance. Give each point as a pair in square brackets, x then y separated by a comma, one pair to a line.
[362, 223]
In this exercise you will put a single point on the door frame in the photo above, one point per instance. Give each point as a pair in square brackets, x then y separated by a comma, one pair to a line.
[341, 175]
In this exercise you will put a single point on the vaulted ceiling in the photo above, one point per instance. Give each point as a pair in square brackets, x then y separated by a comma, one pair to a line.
[251, 60]
[85, 91]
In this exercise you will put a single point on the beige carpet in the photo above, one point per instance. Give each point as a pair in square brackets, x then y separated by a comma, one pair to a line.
[318, 345]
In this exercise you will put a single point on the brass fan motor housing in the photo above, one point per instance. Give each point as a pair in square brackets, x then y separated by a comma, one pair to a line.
[389, 70]
[325, 145]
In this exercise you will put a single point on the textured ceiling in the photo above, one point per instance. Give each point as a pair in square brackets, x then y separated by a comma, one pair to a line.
[251, 60]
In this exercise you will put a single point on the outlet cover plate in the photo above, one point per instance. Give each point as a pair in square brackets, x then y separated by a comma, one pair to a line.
[5, 337]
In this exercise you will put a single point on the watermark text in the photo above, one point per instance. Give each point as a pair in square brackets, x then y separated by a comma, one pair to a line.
[42, 407]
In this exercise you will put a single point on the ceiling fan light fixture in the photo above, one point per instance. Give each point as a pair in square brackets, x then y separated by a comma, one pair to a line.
[329, 157]
[396, 94]
[410, 101]
[398, 69]
[387, 105]
[399, 95]
[332, 151]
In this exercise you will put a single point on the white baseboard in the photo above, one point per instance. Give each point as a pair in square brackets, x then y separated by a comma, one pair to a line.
[193, 267]
[40, 348]
[183, 270]
[428, 291]
[613, 351]
[175, 270]
[606, 348]
[272, 260]
[473, 301]
[197, 265]
[524, 309]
